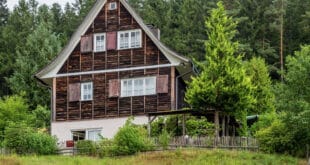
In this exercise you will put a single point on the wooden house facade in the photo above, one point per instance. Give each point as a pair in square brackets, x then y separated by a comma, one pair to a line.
[113, 67]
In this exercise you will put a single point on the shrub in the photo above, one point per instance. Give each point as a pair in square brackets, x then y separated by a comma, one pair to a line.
[275, 138]
[87, 147]
[130, 139]
[164, 139]
[105, 148]
[25, 140]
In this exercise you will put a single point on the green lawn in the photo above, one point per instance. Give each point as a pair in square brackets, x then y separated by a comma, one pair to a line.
[178, 157]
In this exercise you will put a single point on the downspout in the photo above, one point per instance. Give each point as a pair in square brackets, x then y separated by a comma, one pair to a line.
[177, 82]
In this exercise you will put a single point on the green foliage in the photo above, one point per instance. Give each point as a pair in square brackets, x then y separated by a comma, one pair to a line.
[275, 138]
[40, 117]
[87, 147]
[25, 140]
[199, 127]
[12, 109]
[105, 148]
[42, 45]
[131, 139]
[222, 83]
[264, 120]
[257, 70]
[290, 132]
[164, 139]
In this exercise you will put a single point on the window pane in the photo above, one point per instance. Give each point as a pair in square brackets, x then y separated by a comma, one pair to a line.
[100, 43]
[87, 91]
[138, 87]
[135, 39]
[129, 88]
[124, 40]
[149, 86]
[94, 135]
[124, 88]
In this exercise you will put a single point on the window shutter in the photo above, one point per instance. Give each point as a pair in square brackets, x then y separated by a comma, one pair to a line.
[162, 84]
[74, 92]
[86, 44]
[114, 88]
[111, 40]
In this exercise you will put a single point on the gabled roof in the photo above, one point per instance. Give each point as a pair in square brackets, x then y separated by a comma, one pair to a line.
[52, 69]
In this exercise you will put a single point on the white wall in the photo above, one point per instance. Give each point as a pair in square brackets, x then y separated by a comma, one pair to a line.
[109, 127]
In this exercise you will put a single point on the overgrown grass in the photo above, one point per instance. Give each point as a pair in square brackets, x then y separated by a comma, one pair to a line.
[180, 157]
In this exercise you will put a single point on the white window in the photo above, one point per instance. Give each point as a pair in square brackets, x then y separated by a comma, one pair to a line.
[86, 91]
[94, 134]
[99, 42]
[129, 39]
[138, 87]
[112, 6]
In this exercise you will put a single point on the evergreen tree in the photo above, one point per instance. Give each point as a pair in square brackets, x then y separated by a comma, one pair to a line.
[40, 48]
[257, 70]
[4, 14]
[222, 84]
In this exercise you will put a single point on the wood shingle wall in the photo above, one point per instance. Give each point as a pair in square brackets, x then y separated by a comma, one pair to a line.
[82, 59]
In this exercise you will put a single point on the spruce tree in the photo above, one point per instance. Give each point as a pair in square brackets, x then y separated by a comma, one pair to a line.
[222, 84]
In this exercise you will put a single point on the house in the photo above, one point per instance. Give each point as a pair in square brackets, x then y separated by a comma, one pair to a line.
[113, 67]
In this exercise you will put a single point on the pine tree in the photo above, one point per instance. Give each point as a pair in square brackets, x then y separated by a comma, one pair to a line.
[40, 48]
[222, 84]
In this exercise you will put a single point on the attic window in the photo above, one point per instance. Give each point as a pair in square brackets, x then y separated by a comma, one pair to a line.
[112, 6]
[129, 39]
[99, 42]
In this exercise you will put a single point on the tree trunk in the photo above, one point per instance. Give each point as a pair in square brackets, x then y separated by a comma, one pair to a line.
[217, 126]
[223, 125]
[227, 125]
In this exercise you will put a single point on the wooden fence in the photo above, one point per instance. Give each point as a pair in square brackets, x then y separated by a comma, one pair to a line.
[228, 142]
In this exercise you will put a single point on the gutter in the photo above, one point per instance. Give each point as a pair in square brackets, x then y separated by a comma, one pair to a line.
[194, 70]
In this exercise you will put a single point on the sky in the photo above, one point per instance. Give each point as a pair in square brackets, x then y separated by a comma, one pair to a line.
[12, 3]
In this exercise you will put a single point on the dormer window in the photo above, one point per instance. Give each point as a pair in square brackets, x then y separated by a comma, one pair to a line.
[129, 39]
[112, 6]
[99, 42]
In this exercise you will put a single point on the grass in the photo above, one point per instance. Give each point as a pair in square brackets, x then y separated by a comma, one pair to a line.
[180, 157]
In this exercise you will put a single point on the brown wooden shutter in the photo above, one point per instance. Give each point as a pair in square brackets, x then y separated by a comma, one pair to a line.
[114, 87]
[86, 43]
[74, 92]
[111, 40]
[162, 84]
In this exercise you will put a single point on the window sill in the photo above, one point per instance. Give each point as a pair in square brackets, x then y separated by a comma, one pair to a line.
[86, 100]
[129, 48]
[139, 95]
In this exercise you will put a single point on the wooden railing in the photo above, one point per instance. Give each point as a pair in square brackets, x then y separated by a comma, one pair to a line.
[229, 142]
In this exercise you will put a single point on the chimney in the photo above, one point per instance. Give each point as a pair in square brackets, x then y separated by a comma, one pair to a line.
[154, 30]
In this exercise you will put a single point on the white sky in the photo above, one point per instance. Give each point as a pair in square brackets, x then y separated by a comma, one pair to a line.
[12, 3]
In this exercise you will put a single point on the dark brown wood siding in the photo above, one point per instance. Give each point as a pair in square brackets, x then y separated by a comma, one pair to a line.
[109, 22]
[102, 105]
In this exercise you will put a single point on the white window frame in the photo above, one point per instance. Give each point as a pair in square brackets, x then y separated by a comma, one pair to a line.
[113, 6]
[137, 90]
[98, 130]
[87, 92]
[138, 43]
[104, 42]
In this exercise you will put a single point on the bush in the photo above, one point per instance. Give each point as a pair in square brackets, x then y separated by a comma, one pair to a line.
[164, 139]
[105, 148]
[275, 138]
[131, 139]
[25, 140]
[87, 147]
